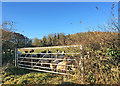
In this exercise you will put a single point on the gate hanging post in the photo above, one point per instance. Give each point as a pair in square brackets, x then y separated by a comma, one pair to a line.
[15, 57]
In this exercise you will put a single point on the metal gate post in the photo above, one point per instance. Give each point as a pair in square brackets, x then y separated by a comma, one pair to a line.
[15, 57]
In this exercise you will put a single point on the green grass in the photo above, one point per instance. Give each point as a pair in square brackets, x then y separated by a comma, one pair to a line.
[15, 75]
[67, 50]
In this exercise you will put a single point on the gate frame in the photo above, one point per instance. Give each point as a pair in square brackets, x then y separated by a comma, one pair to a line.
[16, 55]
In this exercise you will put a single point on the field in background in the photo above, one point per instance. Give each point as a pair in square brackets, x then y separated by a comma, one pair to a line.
[54, 50]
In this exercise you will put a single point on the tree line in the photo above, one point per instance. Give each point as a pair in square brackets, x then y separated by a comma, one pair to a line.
[50, 40]
[90, 39]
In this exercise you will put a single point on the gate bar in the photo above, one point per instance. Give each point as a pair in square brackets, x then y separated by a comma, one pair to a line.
[45, 71]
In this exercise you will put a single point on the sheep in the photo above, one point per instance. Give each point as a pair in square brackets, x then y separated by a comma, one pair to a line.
[26, 51]
[27, 55]
[63, 64]
[45, 56]
[38, 55]
[56, 61]
[49, 51]
[58, 55]
[31, 51]
[43, 52]
[49, 54]
[23, 55]
[52, 66]
[63, 52]
[33, 55]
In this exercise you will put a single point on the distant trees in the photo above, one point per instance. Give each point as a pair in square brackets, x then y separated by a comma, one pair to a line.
[36, 42]
[49, 40]
[44, 41]
[89, 39]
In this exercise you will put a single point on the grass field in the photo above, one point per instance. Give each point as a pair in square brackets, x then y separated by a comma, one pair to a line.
[54, 50]
[14, 75]
[66, 49]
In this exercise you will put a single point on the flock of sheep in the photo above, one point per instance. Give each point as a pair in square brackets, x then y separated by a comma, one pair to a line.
[60, 63]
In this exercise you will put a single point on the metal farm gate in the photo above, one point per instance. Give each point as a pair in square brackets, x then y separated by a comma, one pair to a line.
[48, 62]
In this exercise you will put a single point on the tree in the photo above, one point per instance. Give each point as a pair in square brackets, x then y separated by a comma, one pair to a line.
[62, 38]
[44, 41]
[40, 42]
[49, 40]
[35, 42]
[54, 39]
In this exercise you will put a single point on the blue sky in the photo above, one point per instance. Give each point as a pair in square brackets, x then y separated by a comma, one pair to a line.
[37, 19]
